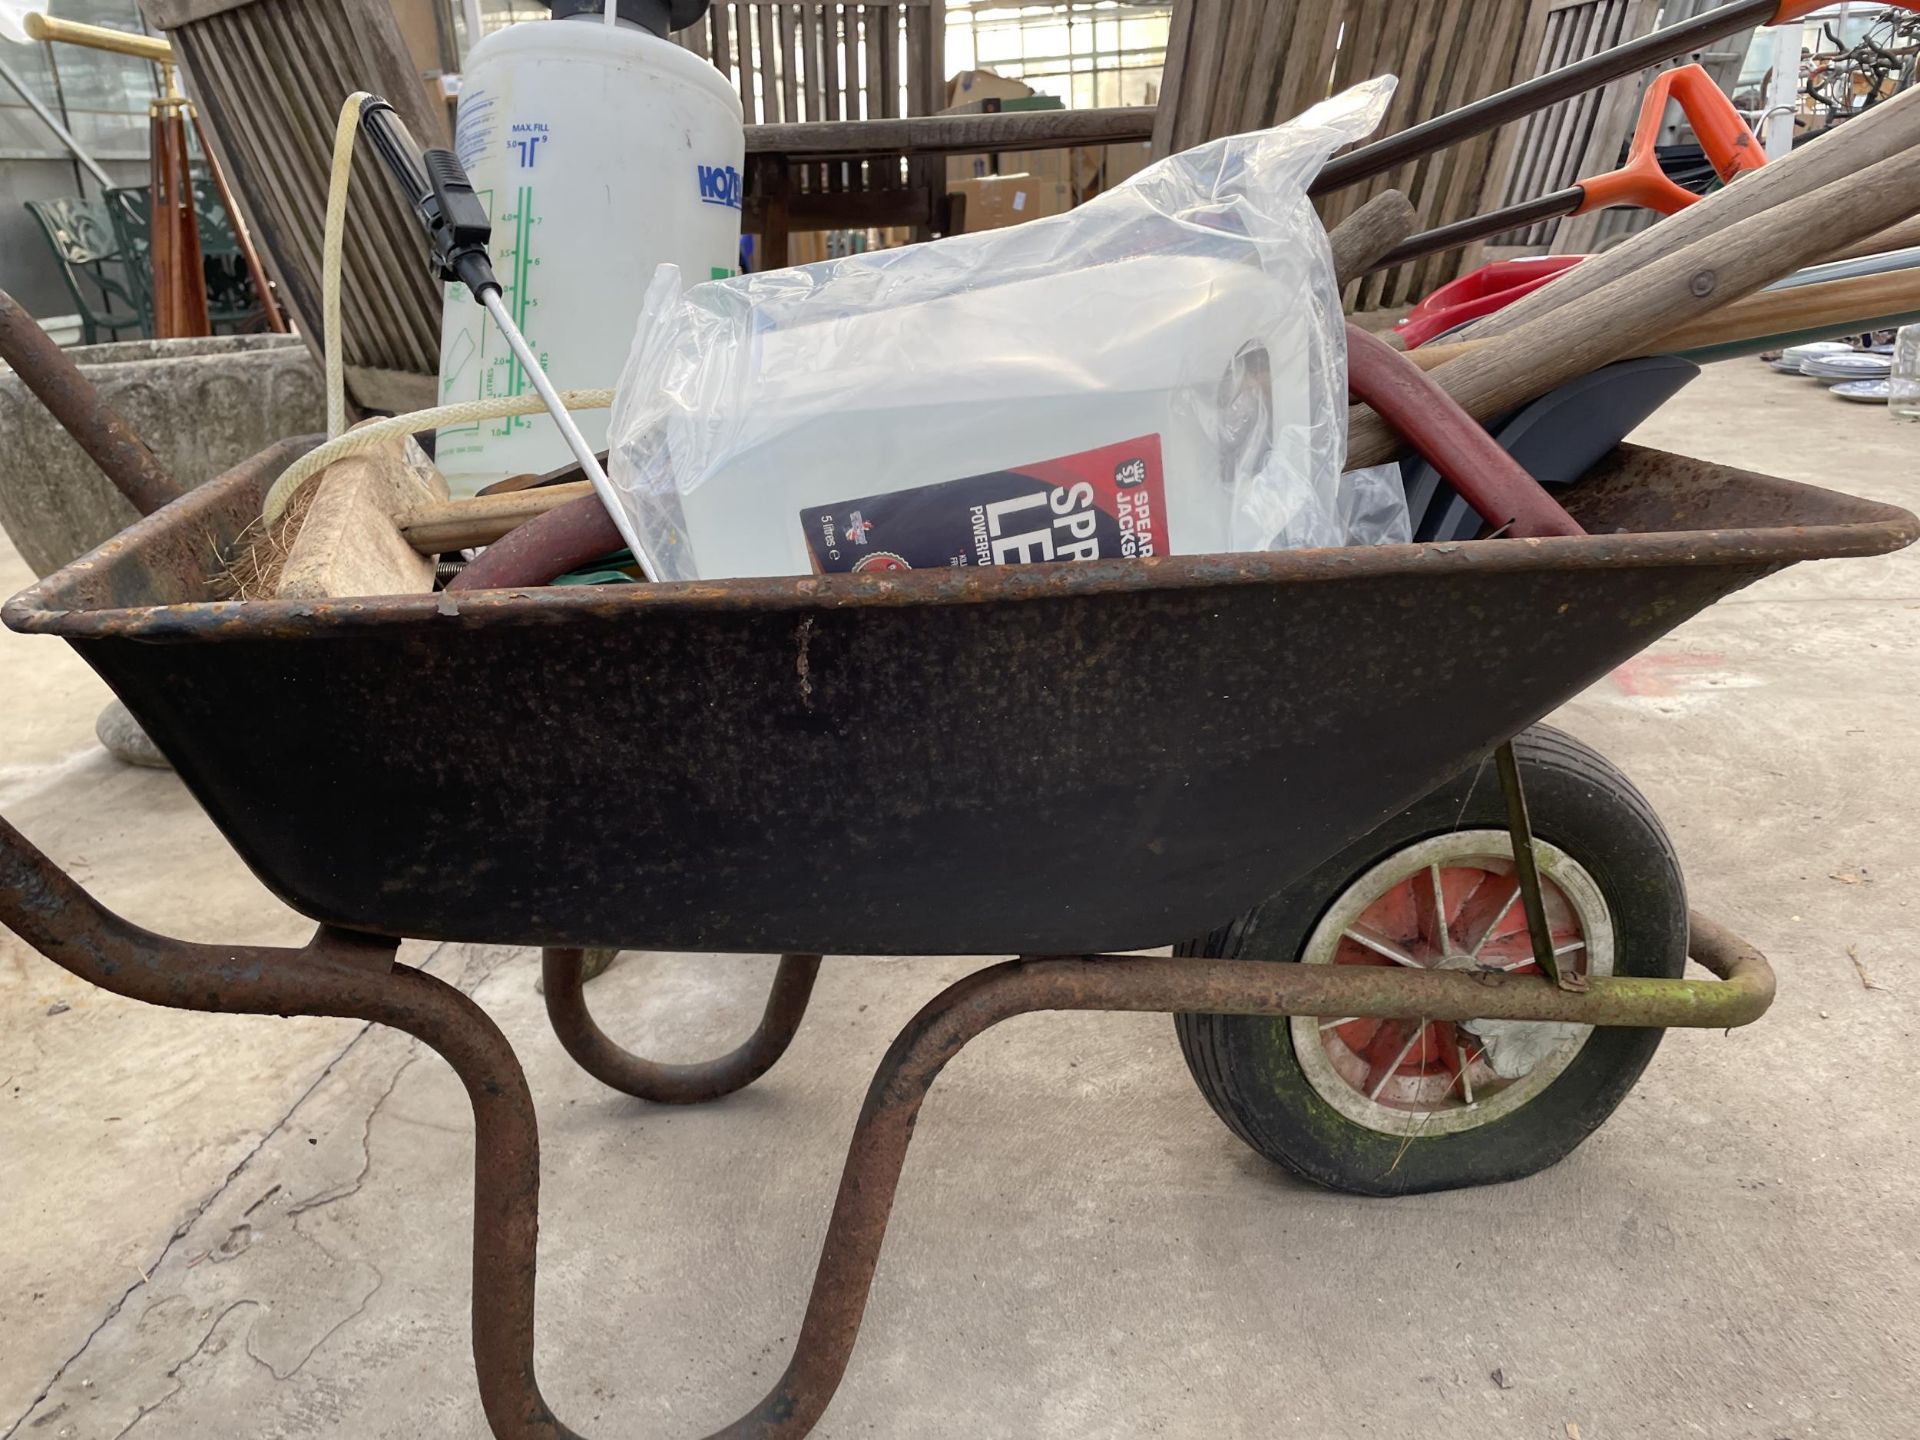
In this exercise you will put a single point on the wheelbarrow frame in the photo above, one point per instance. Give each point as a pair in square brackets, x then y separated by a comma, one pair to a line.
[343, 974]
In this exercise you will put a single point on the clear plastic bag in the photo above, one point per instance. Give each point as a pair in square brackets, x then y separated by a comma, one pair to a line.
[1161, 371]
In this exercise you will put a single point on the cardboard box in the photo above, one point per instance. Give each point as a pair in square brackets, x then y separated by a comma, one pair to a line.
[979, 92]
[1088, 165]
[972, 86]
[1099, 170]
[1053, 166]
[967, 167]
[1084, 172]
[997, 201]
[1122, 161]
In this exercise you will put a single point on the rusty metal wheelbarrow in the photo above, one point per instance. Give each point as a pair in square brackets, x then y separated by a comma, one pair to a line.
[1278, 753]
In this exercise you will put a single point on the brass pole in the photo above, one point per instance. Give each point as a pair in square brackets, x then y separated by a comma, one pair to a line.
[98, 37]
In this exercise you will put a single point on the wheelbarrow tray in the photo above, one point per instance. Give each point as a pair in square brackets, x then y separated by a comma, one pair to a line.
[1104, 756]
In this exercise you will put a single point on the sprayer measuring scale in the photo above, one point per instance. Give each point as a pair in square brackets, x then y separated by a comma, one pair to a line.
[601, 150]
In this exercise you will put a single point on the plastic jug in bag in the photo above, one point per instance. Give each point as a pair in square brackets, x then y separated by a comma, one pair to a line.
[1159, 372]
[1108, 443]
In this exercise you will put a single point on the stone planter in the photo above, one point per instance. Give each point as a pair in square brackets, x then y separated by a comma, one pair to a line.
[203, 405]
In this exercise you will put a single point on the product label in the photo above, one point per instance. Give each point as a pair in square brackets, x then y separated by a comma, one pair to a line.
[1095, 505]
[719, 185]
[473, 131]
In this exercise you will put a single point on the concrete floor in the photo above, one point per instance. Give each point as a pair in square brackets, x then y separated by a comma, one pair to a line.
[249, 1227]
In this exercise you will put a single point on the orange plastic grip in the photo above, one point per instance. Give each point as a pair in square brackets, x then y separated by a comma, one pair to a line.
[1722, 131]
[1791, 10]
[1725, 137]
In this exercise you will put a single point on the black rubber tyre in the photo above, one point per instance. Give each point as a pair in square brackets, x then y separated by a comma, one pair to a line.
[1246, 1066]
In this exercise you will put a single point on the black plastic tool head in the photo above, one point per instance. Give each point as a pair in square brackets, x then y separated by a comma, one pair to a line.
[662, 17]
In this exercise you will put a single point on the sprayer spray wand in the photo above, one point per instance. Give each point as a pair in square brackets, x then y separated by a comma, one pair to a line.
[458, 229]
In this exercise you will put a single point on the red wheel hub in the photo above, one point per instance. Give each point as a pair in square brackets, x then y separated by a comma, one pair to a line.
[1451, 916]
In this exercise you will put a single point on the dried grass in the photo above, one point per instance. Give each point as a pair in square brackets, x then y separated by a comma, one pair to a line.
[251, 567]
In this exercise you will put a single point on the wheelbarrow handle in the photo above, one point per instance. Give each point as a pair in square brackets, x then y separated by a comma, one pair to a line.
[1724, 135]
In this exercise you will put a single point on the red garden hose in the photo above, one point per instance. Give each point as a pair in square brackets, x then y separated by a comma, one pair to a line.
[1449, 439]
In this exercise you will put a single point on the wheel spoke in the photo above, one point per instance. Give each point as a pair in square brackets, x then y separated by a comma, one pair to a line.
[1380, 945]
[1386, 1073]
[1442, 940]
[1466, 1072]
[1336, 1024]
[1558, 950]
[1454, 1051]
[1455, 1054]
[1494, 924]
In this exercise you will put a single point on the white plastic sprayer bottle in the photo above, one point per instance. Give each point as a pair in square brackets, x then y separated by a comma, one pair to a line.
[601, 150]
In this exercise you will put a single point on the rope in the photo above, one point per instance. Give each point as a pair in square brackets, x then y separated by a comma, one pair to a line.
[377, 432]
[332, 252]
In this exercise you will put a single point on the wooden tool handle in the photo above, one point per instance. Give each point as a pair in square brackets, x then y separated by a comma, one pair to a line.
[1360, 240]
[1903, 236]
[1623, 317]
[1834, 304]
[348, 543]
[458, 524]
[1791, 10]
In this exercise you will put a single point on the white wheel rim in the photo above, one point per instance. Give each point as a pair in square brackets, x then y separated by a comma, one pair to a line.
[1350, 1064]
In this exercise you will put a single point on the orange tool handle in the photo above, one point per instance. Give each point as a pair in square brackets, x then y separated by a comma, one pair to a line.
[1791, 10]
[1726, 138]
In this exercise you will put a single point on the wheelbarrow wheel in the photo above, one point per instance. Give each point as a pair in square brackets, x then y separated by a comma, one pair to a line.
[1399, 1107]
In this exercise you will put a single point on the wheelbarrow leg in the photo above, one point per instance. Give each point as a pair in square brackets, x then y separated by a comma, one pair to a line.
[353, 977]
[564, 977]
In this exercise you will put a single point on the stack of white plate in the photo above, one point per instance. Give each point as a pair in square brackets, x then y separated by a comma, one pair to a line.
[1797, 353]
[1792, 359]
[1853, 366]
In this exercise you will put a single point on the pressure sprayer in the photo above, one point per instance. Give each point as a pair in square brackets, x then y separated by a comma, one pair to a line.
[458, 230]
[599, 149]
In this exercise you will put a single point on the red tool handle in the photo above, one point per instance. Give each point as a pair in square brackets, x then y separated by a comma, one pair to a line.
[1724, 135]
[1449, 439]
